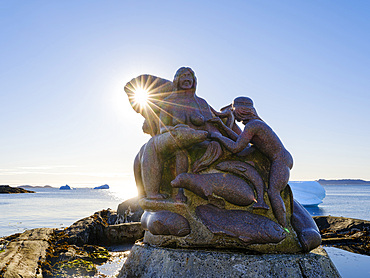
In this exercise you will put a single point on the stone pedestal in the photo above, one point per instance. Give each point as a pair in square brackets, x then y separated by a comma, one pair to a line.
[147, 261]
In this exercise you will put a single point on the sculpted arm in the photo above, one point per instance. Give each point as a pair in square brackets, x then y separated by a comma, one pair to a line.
[226, 113]
[220, 124]
[235, 147]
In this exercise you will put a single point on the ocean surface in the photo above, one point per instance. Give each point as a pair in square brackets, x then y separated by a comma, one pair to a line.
[54, 208]
[344, 200]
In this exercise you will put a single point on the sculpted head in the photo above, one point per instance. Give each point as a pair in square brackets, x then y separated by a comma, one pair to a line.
[184, 79]
[243, 109]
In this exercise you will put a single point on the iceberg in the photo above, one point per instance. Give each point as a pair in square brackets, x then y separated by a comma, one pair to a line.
[105, 186]
[308, 193]
[65, 187]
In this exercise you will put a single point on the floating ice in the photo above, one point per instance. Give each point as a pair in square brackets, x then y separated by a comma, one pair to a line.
[308, 193]
[105, 186]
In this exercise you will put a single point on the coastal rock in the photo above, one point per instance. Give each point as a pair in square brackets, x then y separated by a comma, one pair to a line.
[129, 211]
[64, 260]
[22, 253]
[341, 225]
[6, 189]
[124, 233]
[146, 261]
[345, 233]
[112, 217]
[97, 229]
[89, 230]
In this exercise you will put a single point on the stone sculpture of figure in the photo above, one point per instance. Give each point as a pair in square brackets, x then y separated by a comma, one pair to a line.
[265, 140]
[182, 119]
[183, 106]
[226, 190]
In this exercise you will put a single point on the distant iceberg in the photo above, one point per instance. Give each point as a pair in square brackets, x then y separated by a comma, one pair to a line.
[308, 193]
[105, 186]
[65, 187]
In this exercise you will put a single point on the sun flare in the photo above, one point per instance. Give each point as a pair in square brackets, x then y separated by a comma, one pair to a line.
[141, 96]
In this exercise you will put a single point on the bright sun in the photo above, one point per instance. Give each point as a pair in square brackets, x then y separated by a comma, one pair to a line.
[141, 96]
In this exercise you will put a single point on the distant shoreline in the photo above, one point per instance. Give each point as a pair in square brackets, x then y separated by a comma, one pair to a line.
[321, 181]
[343, 182]
[35, 186]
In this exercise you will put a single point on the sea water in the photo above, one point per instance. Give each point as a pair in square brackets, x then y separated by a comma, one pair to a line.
[344, 200]
[54, 208]
[348, 201]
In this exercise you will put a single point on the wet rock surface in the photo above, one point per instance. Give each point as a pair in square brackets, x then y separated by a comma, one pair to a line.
[345, 233]
[73, 252]
[78, 249]
[21, 253]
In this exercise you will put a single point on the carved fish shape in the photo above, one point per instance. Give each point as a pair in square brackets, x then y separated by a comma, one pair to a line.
[250, 228]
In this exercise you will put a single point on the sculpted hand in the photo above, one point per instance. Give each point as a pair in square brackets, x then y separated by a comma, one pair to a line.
[215, 121]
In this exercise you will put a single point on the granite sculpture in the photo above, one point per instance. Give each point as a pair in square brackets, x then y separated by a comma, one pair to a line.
[204, 182]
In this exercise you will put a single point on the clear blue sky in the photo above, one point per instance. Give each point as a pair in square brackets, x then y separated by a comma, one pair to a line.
[65, 118]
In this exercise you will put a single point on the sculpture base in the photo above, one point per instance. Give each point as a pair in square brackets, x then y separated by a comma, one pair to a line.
[147, 261]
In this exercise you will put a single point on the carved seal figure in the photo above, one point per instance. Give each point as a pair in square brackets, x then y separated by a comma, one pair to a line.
[249, 173]
[230, 187]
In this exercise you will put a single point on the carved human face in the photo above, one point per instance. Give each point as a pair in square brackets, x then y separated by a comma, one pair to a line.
[243, 112]
[237, 114]
[186, 80]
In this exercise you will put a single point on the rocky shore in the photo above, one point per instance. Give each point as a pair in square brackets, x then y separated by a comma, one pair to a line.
[71, 252]
[6, 189]
[349, 234]
[77, 250]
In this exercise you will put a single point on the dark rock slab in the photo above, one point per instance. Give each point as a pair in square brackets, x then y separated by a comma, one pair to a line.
[22, 253]
[89, 230]
[346, 233]
[124, 233]
[129, 211]
[99, 229]
[341, 225]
